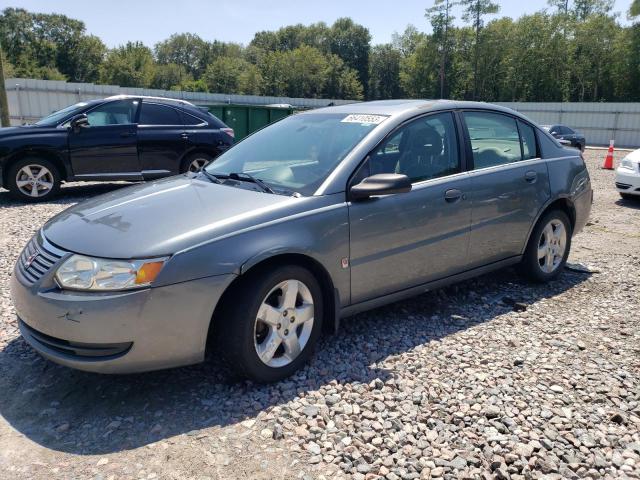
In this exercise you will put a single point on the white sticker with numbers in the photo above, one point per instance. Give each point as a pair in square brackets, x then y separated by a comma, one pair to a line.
[361, 118]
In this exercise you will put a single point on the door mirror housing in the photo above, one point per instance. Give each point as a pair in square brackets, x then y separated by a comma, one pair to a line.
[79, 121]
[380, 184]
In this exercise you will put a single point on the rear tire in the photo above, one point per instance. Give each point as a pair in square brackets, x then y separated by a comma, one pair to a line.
[548, 247]
[33, 179]
[195, 162]
[264, 334]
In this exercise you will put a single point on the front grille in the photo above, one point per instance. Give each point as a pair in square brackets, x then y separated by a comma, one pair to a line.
[37, 258]
[87, 351]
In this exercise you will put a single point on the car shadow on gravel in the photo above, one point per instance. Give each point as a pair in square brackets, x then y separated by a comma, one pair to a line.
[69, 193]
[85, 414]
[633, 203]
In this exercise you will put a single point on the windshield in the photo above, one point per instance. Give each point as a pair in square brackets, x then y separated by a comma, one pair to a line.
[54, 118]
[299, 152]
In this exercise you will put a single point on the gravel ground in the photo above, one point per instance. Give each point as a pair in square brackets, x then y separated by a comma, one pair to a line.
[492, 378]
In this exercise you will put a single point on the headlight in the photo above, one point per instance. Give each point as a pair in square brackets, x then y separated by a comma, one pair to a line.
[626, 163]
[85, 273]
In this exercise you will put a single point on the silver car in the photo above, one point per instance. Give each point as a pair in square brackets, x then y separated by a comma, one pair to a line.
[314, 218]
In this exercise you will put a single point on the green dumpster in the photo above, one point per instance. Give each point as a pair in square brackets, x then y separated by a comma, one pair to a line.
[246, 119]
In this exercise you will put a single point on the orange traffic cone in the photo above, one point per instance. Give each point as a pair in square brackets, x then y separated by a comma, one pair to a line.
[608, 161]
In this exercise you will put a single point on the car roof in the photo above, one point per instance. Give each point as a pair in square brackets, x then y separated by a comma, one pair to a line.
[397, 107]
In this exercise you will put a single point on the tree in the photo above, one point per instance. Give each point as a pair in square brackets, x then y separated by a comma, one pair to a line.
[384, 72]
[82, 59]
[342, 81]
[169, 75]
[350, 42]
[186, 49]
[634, 9]
[419, 70]
[474, 11]
[233, 76]
[583, 9]
[50, 46]
[130, 65]
[441, 21]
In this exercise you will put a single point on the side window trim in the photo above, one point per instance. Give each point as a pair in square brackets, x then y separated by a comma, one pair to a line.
[176, 111]
[461, 153]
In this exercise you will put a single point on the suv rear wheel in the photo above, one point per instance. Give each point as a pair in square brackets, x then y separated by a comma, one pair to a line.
[548, 247]
[33, 179]
[270, 325]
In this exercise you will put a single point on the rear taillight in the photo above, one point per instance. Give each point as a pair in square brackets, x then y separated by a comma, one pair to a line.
[229, 131]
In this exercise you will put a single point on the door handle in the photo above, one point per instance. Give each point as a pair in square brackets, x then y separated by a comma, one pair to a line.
[452, 195]
[127, 134]
[185, 136]
[531, 176]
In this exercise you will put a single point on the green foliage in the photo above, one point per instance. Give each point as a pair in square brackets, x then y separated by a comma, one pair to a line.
[384, 72]
[131, 65]
[233, 75]
[575, 51]
[168, 75]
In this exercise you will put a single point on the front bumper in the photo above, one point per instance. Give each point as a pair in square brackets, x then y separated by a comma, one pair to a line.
[119, 332]
[628, 181]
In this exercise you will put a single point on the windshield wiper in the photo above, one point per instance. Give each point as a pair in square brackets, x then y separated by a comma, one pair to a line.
[211, 176]
[247, 177]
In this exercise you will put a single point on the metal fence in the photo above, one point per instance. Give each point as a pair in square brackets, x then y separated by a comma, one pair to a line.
[600, 122]
[31, 99]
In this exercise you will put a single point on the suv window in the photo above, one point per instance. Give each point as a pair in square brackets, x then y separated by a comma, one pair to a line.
[120, 112]
[191, 120]
[528, 138]
[424, 149]
[567, 131]
[494, 139]
[155, 114]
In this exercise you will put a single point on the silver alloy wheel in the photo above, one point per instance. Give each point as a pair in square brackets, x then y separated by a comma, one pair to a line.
[284, 323]
[197, 164]
[34, 180]
[552, 246]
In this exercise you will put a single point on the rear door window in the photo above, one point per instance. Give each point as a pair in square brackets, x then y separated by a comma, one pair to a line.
[155, 114]
[494, 139]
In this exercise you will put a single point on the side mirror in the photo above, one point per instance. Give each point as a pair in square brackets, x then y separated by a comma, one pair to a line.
[381, 184]
[564, 143]
[79, 121]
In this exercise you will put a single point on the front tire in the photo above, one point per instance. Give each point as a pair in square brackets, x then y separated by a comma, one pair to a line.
[628, 196]
[33, 179]
[271, 323]
[548, 247]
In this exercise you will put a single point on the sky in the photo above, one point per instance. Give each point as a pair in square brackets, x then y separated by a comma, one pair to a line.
[149, 21]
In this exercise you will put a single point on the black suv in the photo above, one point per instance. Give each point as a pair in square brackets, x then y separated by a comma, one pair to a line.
[117, 138]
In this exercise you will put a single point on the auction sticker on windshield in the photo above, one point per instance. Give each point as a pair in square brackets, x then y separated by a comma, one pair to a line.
[368, 119]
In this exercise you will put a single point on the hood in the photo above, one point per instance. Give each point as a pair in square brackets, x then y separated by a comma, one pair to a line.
[163, 217]
[22, 130]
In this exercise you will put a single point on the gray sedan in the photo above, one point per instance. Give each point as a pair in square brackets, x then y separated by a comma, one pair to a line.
[322, 215]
